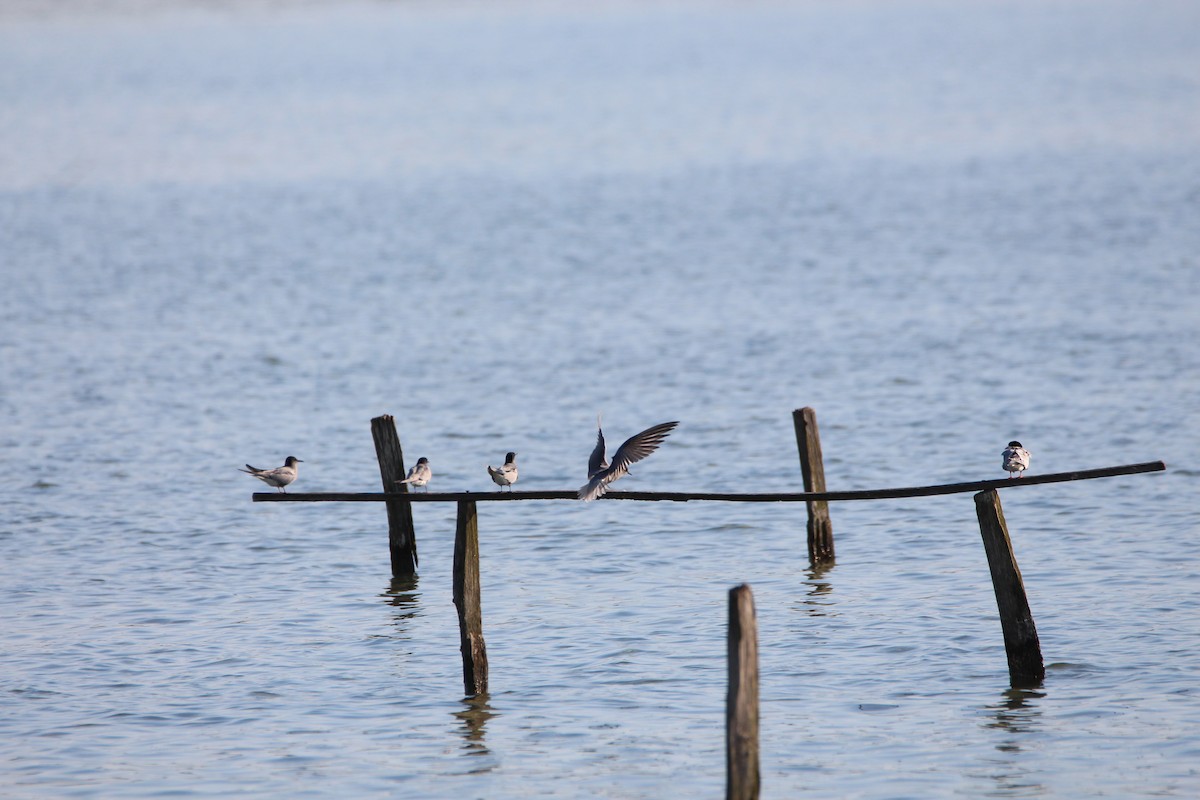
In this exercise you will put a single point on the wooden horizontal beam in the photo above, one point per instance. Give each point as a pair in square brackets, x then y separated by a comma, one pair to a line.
[683, 497]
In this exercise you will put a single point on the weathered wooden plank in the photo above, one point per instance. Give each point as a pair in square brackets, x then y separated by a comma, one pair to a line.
[683, 497]
[402, 537]
[812, 469]
[1025, 666]
[467, 599]
[741, 700]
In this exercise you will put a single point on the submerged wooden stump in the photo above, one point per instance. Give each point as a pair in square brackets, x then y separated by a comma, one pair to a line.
[1025, 666]
[812, 468]
[468, 601]
[402, 538]
[741, 701]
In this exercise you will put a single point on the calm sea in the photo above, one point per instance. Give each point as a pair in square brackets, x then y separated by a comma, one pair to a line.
[232, 233]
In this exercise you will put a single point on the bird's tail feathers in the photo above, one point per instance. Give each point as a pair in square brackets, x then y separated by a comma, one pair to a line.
[591, 490]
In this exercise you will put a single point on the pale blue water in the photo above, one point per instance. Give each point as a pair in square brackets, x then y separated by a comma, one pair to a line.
[237, 234]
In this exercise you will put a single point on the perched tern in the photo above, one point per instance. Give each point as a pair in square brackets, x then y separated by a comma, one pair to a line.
[1016, 458]
[420, 474]
[636, 447]
[278, 477]
[507, 474]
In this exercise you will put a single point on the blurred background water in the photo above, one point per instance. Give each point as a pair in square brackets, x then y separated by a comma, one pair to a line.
[233, 233]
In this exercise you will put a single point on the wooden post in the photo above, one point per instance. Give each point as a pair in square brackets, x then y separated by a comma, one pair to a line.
[467, 600]
[1025, 667]
[741, 702]
[402, 538]
[820, 529]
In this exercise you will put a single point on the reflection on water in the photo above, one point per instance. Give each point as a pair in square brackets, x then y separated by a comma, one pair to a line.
[474, 717]
[816, 603]
[402, 593]
[1017, 715]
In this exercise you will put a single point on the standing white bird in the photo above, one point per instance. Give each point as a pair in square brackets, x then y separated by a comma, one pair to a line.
[278, 477]
[1016, 458]
[507, 474]
[634, 449]
[420, 474]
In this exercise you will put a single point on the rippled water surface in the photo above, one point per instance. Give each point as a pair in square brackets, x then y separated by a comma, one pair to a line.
[237, 233]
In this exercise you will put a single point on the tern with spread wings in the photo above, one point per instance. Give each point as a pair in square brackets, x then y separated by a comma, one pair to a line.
[601, 473]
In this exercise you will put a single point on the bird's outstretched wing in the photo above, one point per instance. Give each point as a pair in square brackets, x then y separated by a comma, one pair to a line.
[596, 461]
[640, 445]
[634, 449]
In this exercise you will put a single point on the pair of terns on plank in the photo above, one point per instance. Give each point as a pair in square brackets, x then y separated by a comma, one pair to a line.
[505, 475]
[601, 472]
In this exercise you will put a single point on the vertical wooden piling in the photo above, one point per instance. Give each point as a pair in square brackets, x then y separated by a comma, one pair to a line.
[467, 600]
[1025, 667]
[812, 468]
[741, 702]
[402, 538]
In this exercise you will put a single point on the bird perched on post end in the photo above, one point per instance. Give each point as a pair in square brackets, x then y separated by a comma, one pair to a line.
[507, 474]
[278, 477]
[420, 474]
[1016, 458]
[634, 449]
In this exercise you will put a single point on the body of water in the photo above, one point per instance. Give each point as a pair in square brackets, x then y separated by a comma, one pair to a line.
[234, 233]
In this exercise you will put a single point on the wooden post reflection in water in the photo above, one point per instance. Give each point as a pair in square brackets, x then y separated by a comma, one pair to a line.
[812, 469]
[474, 717]
[741, 701]
[402, 538]
[467, 600]
[1025, 666]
